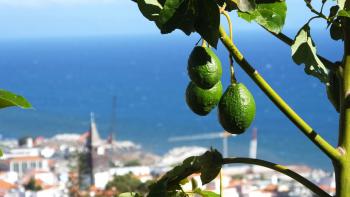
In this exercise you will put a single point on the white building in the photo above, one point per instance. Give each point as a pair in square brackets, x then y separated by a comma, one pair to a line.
[141, 172]
[22, 165]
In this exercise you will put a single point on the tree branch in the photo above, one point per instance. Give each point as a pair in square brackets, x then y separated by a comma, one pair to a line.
[282, 169]
[344, 141]
[342, 169]
[313, 10]
[287, 40]
[328, 149]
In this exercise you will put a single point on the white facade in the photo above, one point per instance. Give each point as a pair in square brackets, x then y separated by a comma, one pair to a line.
[51, 192]
[22, 152]
[102, 178]
[10, 177]
[48, 178]
[21, 165]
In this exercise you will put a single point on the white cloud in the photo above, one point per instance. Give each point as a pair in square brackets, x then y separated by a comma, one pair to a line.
[43, 3]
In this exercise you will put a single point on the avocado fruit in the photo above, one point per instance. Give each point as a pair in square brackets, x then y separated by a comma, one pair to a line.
[236, 109]
[204, 67]
[202, 101]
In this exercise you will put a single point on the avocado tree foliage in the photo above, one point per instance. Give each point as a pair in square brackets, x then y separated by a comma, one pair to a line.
[9, 99]
[203, 17]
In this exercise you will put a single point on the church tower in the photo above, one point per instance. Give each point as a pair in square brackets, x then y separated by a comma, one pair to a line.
[93, 144]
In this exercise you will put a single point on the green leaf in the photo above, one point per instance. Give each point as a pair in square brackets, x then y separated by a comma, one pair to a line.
[183, 18]
[9, 99]
[194, 183]
[208, 164]
[344, 13]
[1, 153]
[206, 193]
[333, 11]
[336, 30]
[168, 11]
[304, 52]
[186, 15]
[129, 194]
[211, 163]
[184, 181]
[250, 4]
[267, 1]
[270, 15]
[158, 189]
[208, 21]
[170, 182]
[248, 16]
[246, 5]
[175, 194]
[333, 89]
[162, 2]
[150, 9]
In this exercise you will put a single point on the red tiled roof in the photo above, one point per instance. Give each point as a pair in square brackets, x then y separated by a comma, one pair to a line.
[26, 158]
[270, 188]
[6, 185]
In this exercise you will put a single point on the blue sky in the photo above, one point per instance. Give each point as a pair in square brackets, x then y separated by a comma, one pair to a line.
[52, 18]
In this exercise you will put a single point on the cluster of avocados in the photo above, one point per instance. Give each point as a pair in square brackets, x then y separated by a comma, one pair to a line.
[236, 107]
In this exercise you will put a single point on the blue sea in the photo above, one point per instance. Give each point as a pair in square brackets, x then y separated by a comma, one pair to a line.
[67, 78]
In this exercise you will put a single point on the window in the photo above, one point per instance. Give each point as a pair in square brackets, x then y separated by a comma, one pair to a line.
[24, 166]
[32, 165]
[15, 167]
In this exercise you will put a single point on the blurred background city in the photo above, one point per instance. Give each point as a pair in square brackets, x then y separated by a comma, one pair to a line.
[103, 80]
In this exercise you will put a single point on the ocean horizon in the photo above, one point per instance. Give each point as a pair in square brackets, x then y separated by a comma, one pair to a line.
[67, 78]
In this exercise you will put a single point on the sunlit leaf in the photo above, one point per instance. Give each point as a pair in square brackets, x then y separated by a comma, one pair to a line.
[304, 52]
[184, 181]
[182, 17]
[344, 13]
[168, 11]
[246, 5]
[206, 193]
[129, 194]
[270, 15]
[341, 3]
[208, 164]
[9, 99]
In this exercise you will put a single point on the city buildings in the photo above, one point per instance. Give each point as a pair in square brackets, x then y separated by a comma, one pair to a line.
[83, 164]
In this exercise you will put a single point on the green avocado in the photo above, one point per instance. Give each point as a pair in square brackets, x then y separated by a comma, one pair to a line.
[236, 109]
[204, 67]
[202, 101]
[333, 88]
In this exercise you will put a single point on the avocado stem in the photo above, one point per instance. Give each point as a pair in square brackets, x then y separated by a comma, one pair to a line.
[232, 71]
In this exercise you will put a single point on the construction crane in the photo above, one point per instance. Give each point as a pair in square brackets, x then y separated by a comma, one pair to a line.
[224, 135]
[112, 136]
